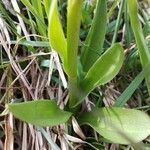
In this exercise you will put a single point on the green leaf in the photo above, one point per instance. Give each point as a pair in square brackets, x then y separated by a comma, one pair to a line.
[139, 37]
[123, 126]
[40, 113]
[37, 5]
[55, 32]
[31, 43]
[125, 96]
[35, 12]
[92, 48]
[118, 21]
[104, 69]
[47, 4]
[73, 28]
[8, 18]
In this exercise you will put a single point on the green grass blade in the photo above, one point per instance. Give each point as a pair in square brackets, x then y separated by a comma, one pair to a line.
[39, 9]
[55, 32]
[114, 5]
[125, 96]
[35, 13]
[139, 37]
[92, 48]
[47, 4]
[32, 43]
[9, 20]
[118, 21]
[128, 32]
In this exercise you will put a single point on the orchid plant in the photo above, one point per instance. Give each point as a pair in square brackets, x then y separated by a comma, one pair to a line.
[93, 67]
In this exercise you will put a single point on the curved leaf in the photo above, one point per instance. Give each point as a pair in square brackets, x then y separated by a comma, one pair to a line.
[92, 48]
[55, 32]
[37, 5]
[36, 13]
[123, 126]
[104, 69]
[40, 113]
[139, 37]
[47, 4]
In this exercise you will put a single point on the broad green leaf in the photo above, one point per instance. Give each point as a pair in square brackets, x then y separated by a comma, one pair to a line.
[40, 113]
[104, 69]
[139, 37]
[55, 32]
[92, 48]
[119, 125]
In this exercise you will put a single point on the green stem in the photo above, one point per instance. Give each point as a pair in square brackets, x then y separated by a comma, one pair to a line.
[73, 92]
[128, 37]
[73, 28]
[118, 21]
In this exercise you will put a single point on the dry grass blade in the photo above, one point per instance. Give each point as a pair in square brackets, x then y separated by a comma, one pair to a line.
[21, 73]
[9, 140]
[60, 70]
[23, 27]
[51, 67]
[49, 139]
[15, 67]
[24, 137]
[77, 140]
[77, 128]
